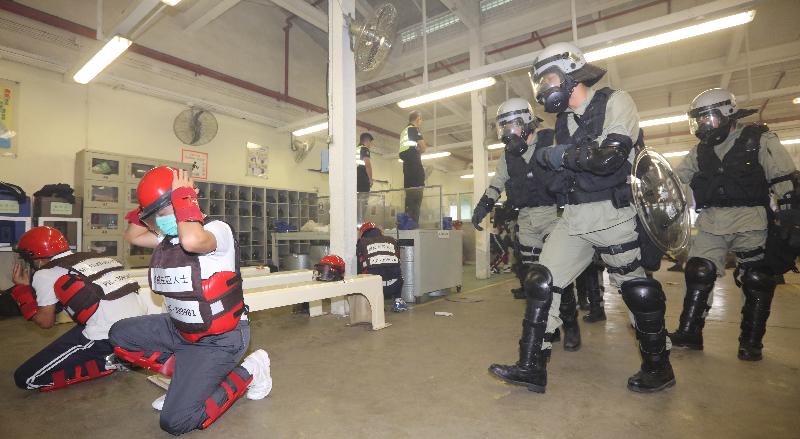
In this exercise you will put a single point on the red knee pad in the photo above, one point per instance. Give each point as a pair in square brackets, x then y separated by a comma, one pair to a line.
[214, 411]
[150, 362]
[60, 381]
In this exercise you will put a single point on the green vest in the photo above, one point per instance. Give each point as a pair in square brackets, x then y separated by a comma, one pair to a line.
[405, 142]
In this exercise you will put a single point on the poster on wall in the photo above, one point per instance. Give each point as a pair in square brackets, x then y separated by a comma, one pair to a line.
[257, 159]
[199, 162]
[9, 103]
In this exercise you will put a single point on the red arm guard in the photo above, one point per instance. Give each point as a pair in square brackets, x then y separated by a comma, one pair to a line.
[26, 299]
[184, 202]
[133, 217]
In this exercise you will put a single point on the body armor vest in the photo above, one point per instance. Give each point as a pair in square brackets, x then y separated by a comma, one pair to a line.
[198, 307]
[586, 187]
[528, 182]
[90, 279]
[735, 181]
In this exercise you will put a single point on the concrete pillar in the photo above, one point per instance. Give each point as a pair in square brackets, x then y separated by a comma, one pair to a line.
[342, 128]
[479, 154]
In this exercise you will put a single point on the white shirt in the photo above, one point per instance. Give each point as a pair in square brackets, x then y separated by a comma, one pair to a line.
[223, 258]
[108, 312]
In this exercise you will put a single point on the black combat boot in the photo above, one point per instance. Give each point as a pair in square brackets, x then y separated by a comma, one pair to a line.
[700, 275]
[594, 291]
[758, 285]
[531, 369]
[580, 290]
[647, 302]
[568, 312]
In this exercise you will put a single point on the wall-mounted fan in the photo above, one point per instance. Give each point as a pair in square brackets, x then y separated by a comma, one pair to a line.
[372, 39]
[301, 148]
[195, 126]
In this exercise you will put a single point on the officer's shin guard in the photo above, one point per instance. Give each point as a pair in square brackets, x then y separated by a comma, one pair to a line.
[568, 311]
[590, 280]
[646, 300]
[531, 369]
[700, 274]
[758, 284]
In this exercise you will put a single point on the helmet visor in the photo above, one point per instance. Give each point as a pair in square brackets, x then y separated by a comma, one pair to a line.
[508, 128]
[706, 121]
[151, 222]
[326, 273]
[542, 82]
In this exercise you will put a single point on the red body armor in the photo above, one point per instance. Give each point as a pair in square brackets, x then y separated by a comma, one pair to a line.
[198, 307]
[90, 280]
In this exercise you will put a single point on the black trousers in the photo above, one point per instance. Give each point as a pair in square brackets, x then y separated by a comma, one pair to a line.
[67, 353]
[413, 203]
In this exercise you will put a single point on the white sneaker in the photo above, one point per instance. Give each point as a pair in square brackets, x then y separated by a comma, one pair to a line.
[257, 364]
[158, 404]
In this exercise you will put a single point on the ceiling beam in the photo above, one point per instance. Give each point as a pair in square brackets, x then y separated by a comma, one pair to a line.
[712, 67]
[212, 14]
[305, 11]
[740, 99]
[465, 11]
[133, 16]
[733, 55]
[364, 8]
[523, 61]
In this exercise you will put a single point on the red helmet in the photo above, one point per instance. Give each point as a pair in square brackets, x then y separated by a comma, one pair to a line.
[366, 227]
[330, 268]
[41, 242]
[154, 190]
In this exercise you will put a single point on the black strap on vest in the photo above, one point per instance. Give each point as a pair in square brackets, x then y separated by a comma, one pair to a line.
[588, 130]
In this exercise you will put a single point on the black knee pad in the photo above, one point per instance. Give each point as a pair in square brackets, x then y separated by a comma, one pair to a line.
[700, 271]
[643, 295]
[759, 281]
[538, 283]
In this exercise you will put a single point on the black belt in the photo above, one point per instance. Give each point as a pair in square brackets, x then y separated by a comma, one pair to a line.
[625, 269]
[750, 253]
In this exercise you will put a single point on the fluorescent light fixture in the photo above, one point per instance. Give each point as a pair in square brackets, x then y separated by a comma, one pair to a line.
[664, 120]
[111, 51]
[796, 100]
[171, 2]
[675, 154]
[468, 176]
[790, 141]
[672, 36]
[312, 129]
[496, 146]
[435, 155]
[252, 145]
[448, 92]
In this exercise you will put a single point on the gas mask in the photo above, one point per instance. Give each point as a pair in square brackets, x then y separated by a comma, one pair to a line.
[711, 127]
[552, 89]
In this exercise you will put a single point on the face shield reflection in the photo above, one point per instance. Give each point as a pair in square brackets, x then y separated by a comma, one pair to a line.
[507, 129]
[545, 81]
[706, 121]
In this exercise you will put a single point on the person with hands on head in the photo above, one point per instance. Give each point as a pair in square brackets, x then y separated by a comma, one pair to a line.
[95, 293]
[205, 332]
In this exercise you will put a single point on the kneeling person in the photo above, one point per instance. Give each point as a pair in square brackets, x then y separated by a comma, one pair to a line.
[94, 292]
[205, 333]
[378, 254]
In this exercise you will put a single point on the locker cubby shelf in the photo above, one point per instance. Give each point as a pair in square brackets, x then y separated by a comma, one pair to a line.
[253, 212]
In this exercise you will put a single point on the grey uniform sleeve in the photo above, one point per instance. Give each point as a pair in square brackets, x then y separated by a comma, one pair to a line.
[499, 180]
[777, 162]
[622, 117]
[688, 166]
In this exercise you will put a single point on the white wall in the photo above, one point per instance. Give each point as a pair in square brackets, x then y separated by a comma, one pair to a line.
[57, 118]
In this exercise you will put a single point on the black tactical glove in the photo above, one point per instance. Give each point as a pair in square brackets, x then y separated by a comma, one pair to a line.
[484, 206]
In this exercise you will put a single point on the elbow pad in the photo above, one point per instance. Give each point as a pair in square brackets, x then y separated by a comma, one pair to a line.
[607, 157]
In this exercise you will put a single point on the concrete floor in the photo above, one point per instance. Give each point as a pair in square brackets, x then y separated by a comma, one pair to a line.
[426, 376]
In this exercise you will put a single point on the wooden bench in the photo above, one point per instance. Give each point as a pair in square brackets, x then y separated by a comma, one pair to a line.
[293, 287]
